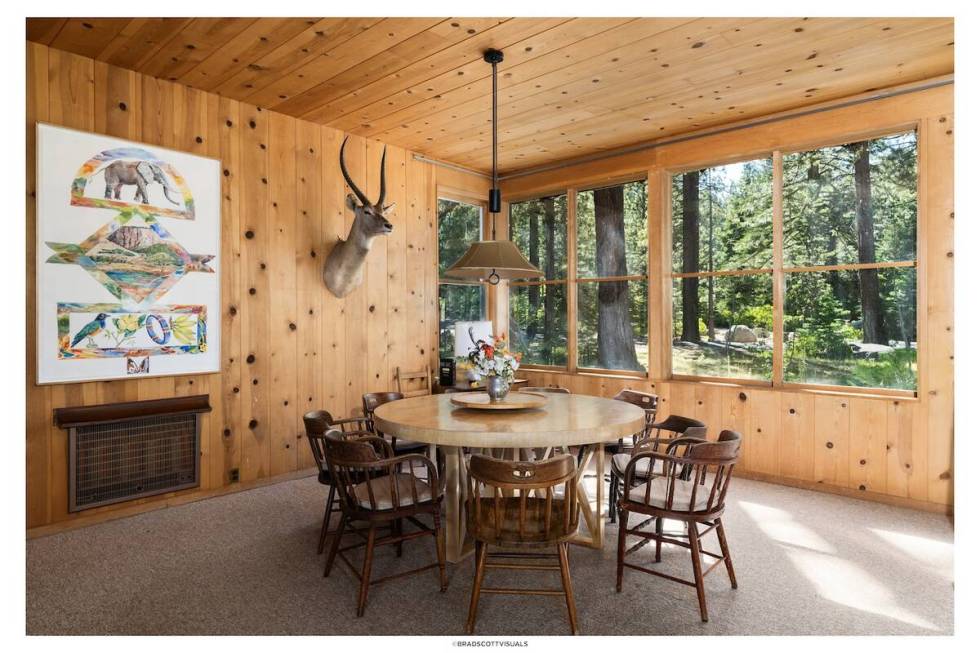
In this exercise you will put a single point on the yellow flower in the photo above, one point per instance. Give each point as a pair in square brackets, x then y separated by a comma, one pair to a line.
[128, 323]
[184, 329]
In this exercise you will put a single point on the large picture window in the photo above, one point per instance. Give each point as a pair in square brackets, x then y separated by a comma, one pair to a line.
[833, 301]
[611, 262]
[460, 224]
[539, 308]
[595, 285]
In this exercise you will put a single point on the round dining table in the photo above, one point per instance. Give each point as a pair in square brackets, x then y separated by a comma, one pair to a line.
[564, 420]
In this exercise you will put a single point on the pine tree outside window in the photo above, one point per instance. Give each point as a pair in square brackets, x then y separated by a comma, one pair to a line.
[820, 293]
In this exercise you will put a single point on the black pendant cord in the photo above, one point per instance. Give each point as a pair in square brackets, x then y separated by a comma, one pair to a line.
[493, 57]
[494, 124]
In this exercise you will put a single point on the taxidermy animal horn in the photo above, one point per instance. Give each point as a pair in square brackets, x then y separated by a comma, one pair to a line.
[381, 195]
[350, 182]
[344, 268]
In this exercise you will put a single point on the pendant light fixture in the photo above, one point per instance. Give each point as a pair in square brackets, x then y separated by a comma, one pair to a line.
[493, 260]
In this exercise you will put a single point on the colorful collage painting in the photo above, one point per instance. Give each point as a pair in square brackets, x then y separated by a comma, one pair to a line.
[127, 270]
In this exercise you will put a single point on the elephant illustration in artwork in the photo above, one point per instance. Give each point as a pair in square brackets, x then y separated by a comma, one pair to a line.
[140, 174]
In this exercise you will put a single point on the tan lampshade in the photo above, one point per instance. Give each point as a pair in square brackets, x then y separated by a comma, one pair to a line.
[488, 256]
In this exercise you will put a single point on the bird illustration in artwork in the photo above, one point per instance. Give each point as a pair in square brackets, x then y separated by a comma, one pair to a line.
[90, 330]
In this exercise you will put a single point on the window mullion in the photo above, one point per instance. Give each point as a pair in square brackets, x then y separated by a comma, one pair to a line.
[778, 283]
[571, 289]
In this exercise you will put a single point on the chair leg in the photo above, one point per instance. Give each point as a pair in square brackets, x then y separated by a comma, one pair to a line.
[613, 487]
[692, 535]
[335, 545]
[621, 549]
[480, 559]
[723, 542]
[366, 572]
[440, 552]
[659, 529]
[325, 528]
[566, 583]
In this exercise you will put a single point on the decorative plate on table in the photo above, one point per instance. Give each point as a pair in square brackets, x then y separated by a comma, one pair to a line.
[513, 401]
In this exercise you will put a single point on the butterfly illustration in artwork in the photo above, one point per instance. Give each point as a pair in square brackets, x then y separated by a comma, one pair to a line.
[135, 366]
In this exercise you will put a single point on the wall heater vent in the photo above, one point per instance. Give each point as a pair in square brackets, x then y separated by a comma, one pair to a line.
[119, 452]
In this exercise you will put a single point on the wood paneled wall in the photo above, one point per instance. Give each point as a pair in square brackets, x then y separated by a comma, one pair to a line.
[288, 345]
[893, 449]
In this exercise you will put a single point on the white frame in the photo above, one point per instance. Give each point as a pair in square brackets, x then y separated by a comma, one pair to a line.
[213, 355]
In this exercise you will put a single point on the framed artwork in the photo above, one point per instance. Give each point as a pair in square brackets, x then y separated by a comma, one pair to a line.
[128, 269]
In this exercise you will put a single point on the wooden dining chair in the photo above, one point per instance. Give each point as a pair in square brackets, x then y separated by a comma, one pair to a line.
[673, 426]
[372, 490]
[370, 401]
[546, 388]
[502, 512]
[690, 485]
[414, 384]
[649, 402]
[317, 424]
[361, 425]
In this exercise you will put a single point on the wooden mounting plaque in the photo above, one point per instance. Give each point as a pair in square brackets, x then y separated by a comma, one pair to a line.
[513, 401]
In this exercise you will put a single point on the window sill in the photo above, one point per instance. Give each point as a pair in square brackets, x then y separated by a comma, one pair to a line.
[833, 391]
[604, 374]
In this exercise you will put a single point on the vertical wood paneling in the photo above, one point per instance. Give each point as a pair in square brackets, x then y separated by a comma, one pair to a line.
[397, 342]
[281, 270]
[232, 432]
[256, 381]
[309, 286]
[867, 467]
[416, 234]
[832, 438]
[762, 436]
[795, 438]
[938, 171]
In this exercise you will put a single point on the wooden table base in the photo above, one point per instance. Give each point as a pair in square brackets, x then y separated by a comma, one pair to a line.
[459, 546]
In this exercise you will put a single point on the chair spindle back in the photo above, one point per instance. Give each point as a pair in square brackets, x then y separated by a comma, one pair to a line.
[523, 518]
[694, 476]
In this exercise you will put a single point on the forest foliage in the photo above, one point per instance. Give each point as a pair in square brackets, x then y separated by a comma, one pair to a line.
[846, 204]
[852, 203]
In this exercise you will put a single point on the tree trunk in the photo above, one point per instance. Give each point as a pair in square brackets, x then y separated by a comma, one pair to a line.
[615, 334]
[689, 285]
[872, 316]
[711, 263]
[533, 292]
[550, 290]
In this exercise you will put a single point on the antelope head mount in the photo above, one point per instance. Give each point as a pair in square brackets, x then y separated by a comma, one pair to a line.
[344, 269]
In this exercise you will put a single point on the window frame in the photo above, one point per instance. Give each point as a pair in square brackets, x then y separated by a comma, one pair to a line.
[572, 278]
[779, 270]
[461, 197]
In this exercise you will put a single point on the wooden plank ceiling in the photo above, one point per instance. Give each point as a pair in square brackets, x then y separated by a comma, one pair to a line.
[569, 86]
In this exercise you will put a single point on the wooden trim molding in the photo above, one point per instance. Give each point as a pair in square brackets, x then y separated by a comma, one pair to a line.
[75, 416]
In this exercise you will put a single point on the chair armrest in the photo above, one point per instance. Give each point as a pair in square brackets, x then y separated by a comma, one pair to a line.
[668, 460]
[390, 466]
[362, 424]
[671, 443]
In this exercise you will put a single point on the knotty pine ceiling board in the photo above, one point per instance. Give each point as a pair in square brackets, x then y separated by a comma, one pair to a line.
[569, 87]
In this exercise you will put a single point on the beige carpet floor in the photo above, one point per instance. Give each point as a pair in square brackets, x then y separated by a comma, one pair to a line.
[246, 563]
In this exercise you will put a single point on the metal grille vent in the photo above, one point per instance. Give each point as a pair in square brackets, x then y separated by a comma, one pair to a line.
[131, 453]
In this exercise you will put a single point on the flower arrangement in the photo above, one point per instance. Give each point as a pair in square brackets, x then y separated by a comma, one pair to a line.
[494, 359]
